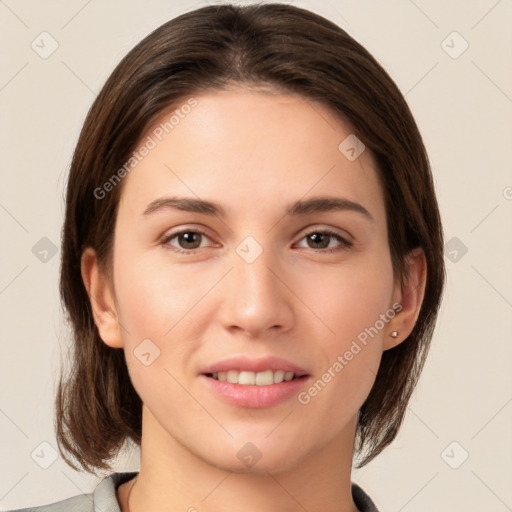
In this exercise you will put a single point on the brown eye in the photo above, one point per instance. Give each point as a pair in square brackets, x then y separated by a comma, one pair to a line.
[187, 240]
[321, 239]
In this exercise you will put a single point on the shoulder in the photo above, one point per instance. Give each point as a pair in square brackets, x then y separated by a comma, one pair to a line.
[102, 498]
[105, 492]
[81, 503]
[363, 502]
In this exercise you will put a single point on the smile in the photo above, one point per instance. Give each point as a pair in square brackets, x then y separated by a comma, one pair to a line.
[247, 378]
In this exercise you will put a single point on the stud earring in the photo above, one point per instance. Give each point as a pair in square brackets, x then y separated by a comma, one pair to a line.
[394, 334]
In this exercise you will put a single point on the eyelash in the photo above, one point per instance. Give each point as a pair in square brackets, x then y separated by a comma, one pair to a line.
[345, 244]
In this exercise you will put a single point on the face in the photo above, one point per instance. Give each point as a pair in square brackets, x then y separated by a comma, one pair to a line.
[262, 284]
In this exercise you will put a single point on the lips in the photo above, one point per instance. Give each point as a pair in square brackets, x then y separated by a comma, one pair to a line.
[246, 364]
[244, 382]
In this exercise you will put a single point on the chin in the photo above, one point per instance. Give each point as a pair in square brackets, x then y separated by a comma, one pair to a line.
[259, 456]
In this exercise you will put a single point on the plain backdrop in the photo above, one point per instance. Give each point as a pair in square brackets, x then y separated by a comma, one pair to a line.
[452, 62]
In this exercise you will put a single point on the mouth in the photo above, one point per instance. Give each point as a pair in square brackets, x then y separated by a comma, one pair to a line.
[255, 383]
[249, 378]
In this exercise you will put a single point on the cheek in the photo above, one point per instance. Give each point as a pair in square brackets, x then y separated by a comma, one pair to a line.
[152, 295]
[160, 314]
[152, 304]
[353, 305]
[350, 349]
[348, 298]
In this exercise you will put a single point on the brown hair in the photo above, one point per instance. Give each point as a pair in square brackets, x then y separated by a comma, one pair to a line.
[290, 49]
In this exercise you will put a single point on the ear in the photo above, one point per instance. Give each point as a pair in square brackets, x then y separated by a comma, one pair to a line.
[410, 297]
[102, 299]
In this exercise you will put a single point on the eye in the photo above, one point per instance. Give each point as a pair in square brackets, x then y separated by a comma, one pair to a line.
[188, 239]
[324, 237]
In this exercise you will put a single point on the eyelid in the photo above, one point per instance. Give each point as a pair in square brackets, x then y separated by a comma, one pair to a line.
[315, 228]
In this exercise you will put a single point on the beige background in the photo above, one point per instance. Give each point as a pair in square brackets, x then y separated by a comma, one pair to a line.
[463, 107]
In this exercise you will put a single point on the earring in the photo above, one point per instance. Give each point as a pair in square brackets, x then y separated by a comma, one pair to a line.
[394, 334]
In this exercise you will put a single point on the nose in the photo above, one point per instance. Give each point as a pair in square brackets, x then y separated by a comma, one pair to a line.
[257, 299]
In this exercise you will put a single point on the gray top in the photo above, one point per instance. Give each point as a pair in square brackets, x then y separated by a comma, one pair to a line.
[104, 499]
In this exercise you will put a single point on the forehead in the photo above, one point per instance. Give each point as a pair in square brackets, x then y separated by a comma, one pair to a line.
[247, 148]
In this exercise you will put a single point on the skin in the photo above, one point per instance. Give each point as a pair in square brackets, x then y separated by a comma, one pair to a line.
[255, 153]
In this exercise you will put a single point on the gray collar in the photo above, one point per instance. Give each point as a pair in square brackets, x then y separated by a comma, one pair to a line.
[105, 496]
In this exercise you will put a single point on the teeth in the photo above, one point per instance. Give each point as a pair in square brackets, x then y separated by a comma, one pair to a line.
[243, 377]
[263, 378]
[232, 376]
[251, 378]
[279, 376]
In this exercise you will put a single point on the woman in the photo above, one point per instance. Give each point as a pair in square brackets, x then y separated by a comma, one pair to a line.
[252, 264]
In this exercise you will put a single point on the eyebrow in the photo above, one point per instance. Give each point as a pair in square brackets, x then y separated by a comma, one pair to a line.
[301, 207]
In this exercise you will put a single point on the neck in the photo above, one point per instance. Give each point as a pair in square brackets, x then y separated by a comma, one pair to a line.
[173, 478]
